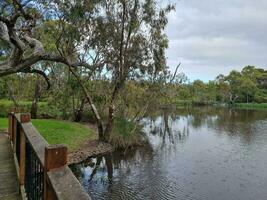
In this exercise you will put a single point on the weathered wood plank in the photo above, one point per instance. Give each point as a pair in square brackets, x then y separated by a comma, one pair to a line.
[9, 188]
[62, 180]
[10, 197]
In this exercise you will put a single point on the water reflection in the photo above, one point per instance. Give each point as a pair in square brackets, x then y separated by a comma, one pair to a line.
[200, 153]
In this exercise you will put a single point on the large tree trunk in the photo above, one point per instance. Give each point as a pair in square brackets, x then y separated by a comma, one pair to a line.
[78, 112]
[119, 85]
[109, 124]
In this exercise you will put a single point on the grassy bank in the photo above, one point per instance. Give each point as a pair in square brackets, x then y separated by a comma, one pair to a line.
[60, 132]
[182, 103]
[252, 105]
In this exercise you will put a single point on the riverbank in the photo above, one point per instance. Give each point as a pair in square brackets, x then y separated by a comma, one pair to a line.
[181, 103]
[251, 105]
[89, 149]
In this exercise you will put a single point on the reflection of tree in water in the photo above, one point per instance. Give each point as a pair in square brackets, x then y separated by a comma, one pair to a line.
[103, 164]
[103, 167]
[229, 121]
[240, 123]
[170, 128]
[234, 122]
[164, 127]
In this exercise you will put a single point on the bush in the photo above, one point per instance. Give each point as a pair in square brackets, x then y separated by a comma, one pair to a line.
[44, 109]
[126, 134]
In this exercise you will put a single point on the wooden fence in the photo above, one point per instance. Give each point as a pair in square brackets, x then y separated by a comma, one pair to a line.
[42, 169]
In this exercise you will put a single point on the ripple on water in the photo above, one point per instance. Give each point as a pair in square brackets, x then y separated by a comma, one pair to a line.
[206, 154]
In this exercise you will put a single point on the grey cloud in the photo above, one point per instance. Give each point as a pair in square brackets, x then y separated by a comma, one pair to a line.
[214, 36]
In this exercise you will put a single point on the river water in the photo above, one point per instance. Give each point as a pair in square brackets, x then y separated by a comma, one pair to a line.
[193, 154]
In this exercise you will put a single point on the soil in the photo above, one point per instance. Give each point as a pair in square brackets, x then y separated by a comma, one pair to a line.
[91, 148]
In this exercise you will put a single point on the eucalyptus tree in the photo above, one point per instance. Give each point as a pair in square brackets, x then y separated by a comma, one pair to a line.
[124, 39]
[24, 31]
[130, 38]
[121, 39]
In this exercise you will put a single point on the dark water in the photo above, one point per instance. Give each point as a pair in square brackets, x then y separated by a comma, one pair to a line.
[202, 153]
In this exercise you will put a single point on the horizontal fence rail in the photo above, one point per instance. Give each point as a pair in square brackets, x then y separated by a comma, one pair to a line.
[43, 171]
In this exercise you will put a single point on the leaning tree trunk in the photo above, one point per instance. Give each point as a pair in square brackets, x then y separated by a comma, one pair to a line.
[90, 101]
[11, 94]
[37, 94]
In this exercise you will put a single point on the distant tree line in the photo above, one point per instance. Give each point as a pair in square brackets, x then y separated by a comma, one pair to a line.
[66, 99]
[249, 85]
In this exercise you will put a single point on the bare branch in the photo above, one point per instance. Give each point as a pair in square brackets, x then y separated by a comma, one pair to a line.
[27, 16]
[4, 32]
[174, 75]
[43, 74]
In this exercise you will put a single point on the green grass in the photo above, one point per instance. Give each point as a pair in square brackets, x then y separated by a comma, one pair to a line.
[252, 105]
[3, 124]
[60, 132]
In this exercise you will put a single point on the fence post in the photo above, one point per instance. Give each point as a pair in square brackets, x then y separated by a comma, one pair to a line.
[55, 157]
[24, 118]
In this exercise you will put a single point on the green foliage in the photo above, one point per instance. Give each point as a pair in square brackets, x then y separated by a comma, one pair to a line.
[250, 85]
[25, 106]
[126, 134]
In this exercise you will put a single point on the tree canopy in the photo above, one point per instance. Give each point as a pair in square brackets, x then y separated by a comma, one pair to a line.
[118, 39]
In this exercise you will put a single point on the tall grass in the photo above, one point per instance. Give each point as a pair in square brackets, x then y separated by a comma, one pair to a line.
[126, 134]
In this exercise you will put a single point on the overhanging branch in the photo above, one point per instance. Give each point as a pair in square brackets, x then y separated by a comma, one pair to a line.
[42, 73]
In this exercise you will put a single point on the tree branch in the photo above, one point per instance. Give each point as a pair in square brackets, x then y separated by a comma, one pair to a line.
[174, 75]
[43, 74]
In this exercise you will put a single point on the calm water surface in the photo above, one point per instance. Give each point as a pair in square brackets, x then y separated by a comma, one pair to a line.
[201, 153]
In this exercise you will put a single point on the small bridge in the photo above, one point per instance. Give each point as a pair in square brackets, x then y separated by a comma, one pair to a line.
[31, 169]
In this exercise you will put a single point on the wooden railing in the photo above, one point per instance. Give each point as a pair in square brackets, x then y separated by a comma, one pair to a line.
[42, 169]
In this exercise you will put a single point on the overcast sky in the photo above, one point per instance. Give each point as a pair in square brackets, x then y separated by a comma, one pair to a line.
[210, 37]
